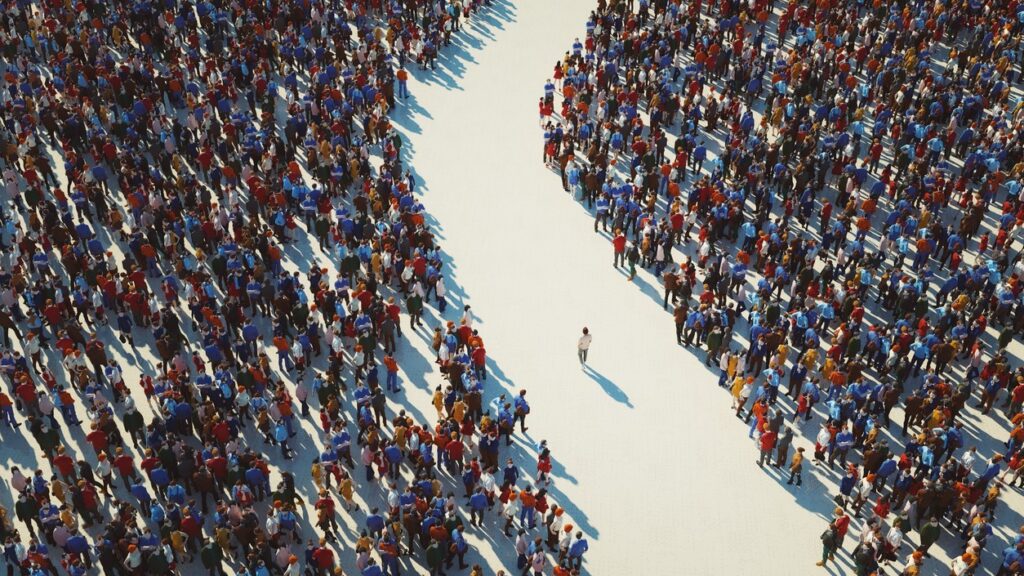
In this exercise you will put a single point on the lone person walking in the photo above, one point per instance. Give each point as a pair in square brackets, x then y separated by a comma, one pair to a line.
[583, 345]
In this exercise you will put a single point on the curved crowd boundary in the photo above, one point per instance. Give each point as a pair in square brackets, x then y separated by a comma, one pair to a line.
[828, 197]
[209, 246]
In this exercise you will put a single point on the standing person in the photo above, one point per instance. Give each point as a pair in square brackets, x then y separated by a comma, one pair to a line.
[577, 549]
[929, 532]
[796, 467]
[767, 443]
[829, 543]
[583, 345]
[402, 75]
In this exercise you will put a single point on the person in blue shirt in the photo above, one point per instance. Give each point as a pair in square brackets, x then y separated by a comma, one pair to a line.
[141, 493]
[577, 549]
[510, 474]
[1012, 560]
[281, 436]
[843, 443]
[477, 503]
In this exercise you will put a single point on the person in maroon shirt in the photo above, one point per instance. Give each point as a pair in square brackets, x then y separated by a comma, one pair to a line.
[190, 525]
[97, 438]
[149, 462]
[218, 466]
[52, 314]
[326, 517]
[125, 466]
[65, 465]
[221, 432]
[479, 356]
[455, 449]
[90, 504]
[324, 558]
[393, 312]
[26, 392]
[137, 303]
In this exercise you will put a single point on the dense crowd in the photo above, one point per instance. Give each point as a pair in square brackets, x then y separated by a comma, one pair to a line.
[218, 187]
[829, 195]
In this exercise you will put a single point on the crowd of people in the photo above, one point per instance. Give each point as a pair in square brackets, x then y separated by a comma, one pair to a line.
[829, 197]
[211, 195]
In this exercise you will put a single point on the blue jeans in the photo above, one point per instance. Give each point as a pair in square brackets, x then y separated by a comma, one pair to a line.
[284, 361]
[524, 514]
[69, 414]
[8, 416]
[392, 381]
[403, 89]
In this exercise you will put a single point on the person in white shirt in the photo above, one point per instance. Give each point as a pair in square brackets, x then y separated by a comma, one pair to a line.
[584, 345]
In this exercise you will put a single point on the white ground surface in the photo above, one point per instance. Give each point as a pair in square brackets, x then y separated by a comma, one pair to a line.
[650, 462]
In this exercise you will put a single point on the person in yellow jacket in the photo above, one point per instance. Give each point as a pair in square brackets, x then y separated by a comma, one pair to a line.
[317, 472]
[796, 467]
[347, 493]
[438, 402]
[179, 541]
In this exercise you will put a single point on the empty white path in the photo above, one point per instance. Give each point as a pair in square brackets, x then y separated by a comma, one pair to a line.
[647, 447]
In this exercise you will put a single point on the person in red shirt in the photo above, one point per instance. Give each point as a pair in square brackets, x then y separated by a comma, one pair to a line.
[479, 356]
[98, 439]
[767, 443]
[326, 517]
[218, 466]
[65, 465]
[323, 557]
[90, 504]
[619, 244]
[7, 410]
[53, 315]
[26, 392]
[455, 449]
[125, 466]
[149, 462]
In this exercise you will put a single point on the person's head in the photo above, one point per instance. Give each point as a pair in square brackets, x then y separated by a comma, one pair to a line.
[586, 330]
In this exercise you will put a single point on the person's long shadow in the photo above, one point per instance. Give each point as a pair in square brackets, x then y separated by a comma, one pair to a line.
[609, 387]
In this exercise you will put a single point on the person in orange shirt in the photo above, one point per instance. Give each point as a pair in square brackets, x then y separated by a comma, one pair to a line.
[402, 75]
[284, 354]
[527, 501]
[391, 365]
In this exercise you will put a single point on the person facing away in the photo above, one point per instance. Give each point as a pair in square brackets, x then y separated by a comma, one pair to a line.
[583, 345]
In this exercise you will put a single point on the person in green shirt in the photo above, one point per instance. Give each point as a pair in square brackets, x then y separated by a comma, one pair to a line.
[929, 535]
[435, 558]
[212, 556]
[157, 563]
[414, 305]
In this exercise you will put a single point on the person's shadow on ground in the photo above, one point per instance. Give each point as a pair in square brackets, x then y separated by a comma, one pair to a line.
[609, 387]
